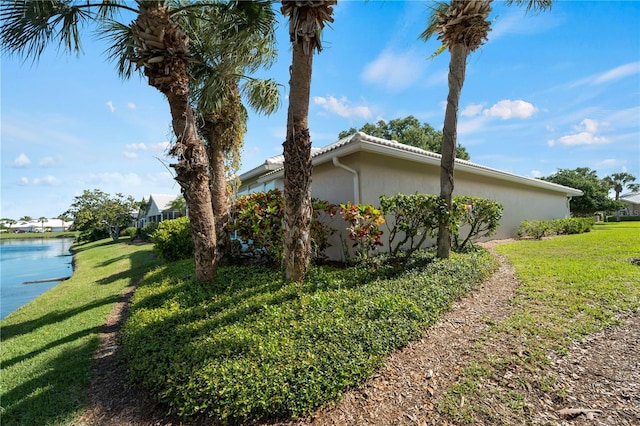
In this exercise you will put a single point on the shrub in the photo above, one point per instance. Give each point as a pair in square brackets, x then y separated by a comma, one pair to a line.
[540, 228]
[257, 219]
[481, 215]
[172, 240]
[321, 229]
[415, 219]
[147, 231]
[364, 227]
[131, 232]
[254, 347]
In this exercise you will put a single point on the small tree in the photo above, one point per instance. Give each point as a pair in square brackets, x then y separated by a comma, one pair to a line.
[96, 214]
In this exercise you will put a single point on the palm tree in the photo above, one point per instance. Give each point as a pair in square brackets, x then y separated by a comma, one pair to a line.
[179, 205]
[462, 26]
[618, 181]
[42, 220]
[157, 45]
[220, 80]
[306, 21]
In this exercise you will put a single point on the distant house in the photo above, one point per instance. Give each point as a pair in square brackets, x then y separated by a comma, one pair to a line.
[360, 168]
[632, 204]
[49, 225]
[157, 209]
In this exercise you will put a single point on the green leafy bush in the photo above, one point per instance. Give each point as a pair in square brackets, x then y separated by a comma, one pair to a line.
[364, 227]
[254, 346]
[257, 219]
[540, 228]
[415, 219]
[482, 216]
[172, 240]
[131, 232]
[147, 231]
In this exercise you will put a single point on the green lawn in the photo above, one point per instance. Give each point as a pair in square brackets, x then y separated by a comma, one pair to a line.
[570, 286]
[47, 345]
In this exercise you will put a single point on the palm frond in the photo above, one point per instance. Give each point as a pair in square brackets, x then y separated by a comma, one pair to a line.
[28, 27]
[535, 5]
[439, 8]
[263, 96]
[121, 48]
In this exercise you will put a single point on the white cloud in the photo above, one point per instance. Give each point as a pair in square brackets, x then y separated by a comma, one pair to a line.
[618, 73]
[507, 109]
[341, 107]
[129, 154]
[613, 74]
[136, 146]
[21, 161]
[111, 107]
[394, 70]
[122, 180]
[46, 181]
[535, 173]
[609, 162]
[159, 147]
[585, 134]
[24, 180]
[471, 110]
[131, 105]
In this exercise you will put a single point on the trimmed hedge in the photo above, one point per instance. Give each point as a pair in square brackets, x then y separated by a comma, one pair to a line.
[253, 346]
[540, 228]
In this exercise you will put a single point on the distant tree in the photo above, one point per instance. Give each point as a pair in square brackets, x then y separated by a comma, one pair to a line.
[64, 217]
[595, 190]
[408, 131]
[42, 220]
[618, 181]
[97, 214]
[25, 219]
[6, 222]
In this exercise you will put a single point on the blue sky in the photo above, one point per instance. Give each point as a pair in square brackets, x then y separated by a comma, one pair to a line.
[559, 89]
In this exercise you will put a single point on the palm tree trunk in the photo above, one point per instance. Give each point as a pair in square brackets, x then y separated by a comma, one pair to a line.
[192, 173]
[169, 75]
[297, 168]
[218, 186]
[457, 68]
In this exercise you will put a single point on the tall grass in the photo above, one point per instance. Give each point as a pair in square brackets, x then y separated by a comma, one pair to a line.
[47, 345]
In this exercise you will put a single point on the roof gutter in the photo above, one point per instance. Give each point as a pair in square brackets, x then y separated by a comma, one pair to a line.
[356, 178]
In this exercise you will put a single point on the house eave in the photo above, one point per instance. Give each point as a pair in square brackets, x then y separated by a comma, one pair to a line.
[361, 142]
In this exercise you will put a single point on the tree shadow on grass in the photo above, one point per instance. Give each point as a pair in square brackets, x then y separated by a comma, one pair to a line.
[54, 393]
[9, 331]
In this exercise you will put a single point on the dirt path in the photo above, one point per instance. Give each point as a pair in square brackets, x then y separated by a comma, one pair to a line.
[602, 373]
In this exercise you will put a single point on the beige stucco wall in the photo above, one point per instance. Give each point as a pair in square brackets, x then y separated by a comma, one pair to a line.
[386, 175]
[380, 174]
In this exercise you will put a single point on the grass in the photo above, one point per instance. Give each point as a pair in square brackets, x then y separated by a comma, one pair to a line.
[570, 286]
[48, 344]
[35, 235]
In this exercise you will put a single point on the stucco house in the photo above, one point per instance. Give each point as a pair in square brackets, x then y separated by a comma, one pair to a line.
[360, 168]
[632, 204]
[158, 208]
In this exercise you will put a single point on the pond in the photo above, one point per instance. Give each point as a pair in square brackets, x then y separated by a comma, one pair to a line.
[30, 267]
